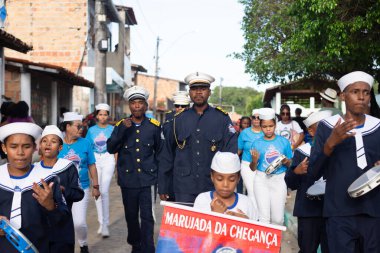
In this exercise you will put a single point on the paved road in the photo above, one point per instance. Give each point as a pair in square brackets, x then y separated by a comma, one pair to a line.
[117, 242]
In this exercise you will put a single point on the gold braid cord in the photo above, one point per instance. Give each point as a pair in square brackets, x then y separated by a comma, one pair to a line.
[180, 146]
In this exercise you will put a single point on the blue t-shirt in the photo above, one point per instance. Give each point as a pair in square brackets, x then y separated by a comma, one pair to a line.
[245, 140]
[271, 149]
[98, 136]
[81, 154]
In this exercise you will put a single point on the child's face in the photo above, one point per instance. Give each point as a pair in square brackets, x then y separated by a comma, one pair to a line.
[312, 129]
[19, 149]
[225, 184]
[268, 127]
[50, 146]
[102, 116]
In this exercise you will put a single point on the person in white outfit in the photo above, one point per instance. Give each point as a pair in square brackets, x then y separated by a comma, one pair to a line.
[105, 164]
[269, 186]
[245, 140]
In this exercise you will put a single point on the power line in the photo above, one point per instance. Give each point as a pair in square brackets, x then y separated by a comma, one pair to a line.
[146, 20]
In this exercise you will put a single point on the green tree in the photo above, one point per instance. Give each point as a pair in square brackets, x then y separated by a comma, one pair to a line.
[290, 39]
[243, 99]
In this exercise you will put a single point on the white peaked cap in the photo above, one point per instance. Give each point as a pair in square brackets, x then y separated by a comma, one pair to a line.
[181, 98]
[267, 113]
[104, 107]
[255, 111]
[71, 116]
[225, 162]
[353, 77]
[199, 79]
[316, 117]
[20, 128]
[136, 92]
[52, 129]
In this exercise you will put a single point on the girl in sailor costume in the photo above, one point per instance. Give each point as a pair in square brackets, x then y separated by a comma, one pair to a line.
[30, 199]
[311, 224]
[270, 190]
[105, 164]
[62, 237]
[344, 149]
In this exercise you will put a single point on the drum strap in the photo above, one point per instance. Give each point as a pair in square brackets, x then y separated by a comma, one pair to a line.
[15, 218]
[360, 152]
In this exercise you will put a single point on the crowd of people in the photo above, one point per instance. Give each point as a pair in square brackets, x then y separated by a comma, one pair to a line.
[197, 158]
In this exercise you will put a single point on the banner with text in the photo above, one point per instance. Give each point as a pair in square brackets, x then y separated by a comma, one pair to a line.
[184, 229]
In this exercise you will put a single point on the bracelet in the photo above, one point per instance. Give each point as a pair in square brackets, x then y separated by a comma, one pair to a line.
[95, 186]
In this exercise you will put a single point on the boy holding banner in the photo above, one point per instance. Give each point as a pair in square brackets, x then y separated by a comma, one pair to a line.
[225, 175]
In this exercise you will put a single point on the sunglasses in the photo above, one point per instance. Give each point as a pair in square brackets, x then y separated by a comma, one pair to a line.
[285, 113]
[79, 127]
[255, 117]
[180, 106]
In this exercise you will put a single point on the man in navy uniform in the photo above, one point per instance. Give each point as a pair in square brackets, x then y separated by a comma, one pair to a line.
[181, 100]
[344, 149]
[195, 135]
[137, 140]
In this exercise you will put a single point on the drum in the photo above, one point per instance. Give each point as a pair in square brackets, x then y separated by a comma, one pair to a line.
[275, 165]
[317, 190]
[365, 183]
[18, 240]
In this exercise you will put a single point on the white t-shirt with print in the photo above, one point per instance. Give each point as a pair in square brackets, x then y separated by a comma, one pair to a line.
[242, 202]
[285, 129]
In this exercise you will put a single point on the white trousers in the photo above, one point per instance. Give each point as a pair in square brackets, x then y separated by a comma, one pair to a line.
[270, 193]
[248, 177]
[79, 211]
[105, 166]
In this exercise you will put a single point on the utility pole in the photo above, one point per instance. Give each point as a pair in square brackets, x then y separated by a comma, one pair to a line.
[101, 48]
[156, 81]
[220, 91]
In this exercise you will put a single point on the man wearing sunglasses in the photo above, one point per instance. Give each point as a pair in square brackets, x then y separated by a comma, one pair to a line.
[181, 102]
[195, 135]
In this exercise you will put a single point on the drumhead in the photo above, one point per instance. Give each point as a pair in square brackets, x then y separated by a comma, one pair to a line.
[317, 189]
[365, 179]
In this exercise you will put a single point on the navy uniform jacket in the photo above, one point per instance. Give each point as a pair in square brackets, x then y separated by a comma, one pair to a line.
[36, 220]
[303, 206]
[137, 148]
[69, 179]
[340, 169]
[201, 137]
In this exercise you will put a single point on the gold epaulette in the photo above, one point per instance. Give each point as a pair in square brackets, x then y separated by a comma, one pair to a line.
[221, 109]
[154, 122]
[119, 122]
[179, 112]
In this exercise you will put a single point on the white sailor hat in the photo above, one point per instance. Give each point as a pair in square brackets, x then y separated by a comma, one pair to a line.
[181, 98]
[255, 111]
[136, 92]
[71, 116]
[20, 128]
[199, 79]
[329, 94]
[316, 117]
[52, 129]
[267, 113]
[105, 107]
[353, 77]
[225, 162]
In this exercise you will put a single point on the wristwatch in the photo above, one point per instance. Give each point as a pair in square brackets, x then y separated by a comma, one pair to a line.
[95, 186]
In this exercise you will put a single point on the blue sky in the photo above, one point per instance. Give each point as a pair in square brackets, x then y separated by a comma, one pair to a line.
[196, 35]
